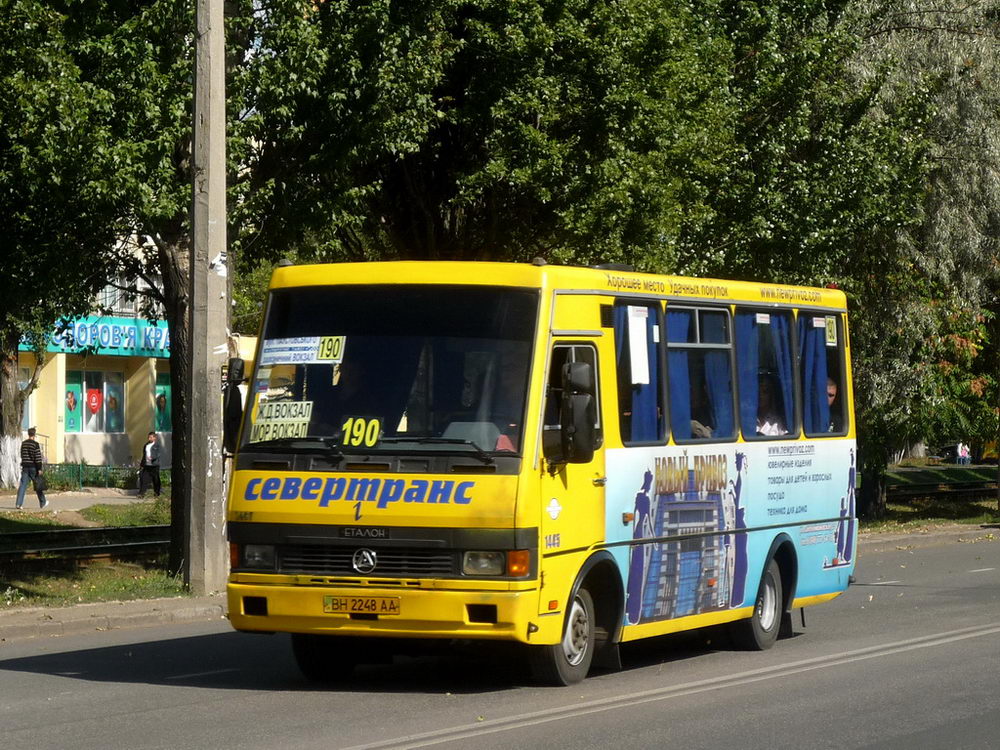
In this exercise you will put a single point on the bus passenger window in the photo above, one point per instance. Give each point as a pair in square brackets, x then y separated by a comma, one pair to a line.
[639, 365]
[822, 356]
[699, 370]
[764, 364]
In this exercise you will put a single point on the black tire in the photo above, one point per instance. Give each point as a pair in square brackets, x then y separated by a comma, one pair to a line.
[760, 630]
[324, 658]
[568, 662]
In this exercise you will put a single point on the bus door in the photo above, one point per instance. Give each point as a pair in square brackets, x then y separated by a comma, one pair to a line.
[572, 491]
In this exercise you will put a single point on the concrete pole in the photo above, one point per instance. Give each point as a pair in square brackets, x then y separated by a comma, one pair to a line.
[205, 556]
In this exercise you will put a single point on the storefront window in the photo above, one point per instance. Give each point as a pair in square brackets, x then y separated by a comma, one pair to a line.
[74, 401]
[114, 402]
[23, 376]
[95, 401]
[162, 419]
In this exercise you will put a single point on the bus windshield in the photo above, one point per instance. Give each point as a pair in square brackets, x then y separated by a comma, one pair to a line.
[402, 367]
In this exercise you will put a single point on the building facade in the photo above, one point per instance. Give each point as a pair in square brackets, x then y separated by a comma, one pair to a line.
[103, 386]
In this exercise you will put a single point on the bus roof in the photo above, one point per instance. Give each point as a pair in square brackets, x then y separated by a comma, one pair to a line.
[555, 277]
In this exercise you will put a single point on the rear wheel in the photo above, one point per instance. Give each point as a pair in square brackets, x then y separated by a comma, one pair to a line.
[567, 662]
[324, 658]
[760, 631]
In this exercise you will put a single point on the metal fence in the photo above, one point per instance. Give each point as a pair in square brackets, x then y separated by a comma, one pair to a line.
[78, 476]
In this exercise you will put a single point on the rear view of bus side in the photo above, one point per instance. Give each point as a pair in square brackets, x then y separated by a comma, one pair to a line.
[563, 457]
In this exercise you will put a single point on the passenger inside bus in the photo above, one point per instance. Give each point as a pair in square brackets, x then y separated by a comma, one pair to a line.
[701, 413]
[836, 420]
[769, 419]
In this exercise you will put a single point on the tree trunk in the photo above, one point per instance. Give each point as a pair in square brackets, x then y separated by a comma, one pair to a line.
[173, 260]
[11, 406]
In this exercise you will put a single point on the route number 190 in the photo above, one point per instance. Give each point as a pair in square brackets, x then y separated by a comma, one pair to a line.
[361, 432]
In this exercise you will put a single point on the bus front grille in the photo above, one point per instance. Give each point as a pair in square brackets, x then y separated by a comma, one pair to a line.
[324, 560]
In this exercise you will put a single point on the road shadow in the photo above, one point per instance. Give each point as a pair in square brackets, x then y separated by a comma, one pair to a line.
[241, 661]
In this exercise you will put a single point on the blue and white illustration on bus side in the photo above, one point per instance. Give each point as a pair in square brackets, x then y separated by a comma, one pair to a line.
[707, 572]
[845, 529]
[693, 537]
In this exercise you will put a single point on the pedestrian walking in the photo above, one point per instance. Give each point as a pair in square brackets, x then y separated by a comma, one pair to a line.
[31, 470]
[149, 465]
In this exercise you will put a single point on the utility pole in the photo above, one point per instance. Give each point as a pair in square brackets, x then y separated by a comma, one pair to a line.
[205, 558]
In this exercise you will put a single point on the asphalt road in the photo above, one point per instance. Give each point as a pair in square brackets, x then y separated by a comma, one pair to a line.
[907, 658]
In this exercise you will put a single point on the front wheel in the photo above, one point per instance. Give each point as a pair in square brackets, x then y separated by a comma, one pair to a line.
[567, 662]
[760, 631]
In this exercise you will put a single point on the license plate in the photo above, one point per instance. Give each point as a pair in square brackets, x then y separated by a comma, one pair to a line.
[361, 605]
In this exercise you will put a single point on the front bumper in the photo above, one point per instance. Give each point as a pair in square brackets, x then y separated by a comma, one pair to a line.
[424, 613]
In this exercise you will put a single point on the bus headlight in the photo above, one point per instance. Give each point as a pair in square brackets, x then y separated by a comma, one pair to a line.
[260, 556]
[483, 563]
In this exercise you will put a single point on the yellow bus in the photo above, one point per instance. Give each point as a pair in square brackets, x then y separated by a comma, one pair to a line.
[567, 458]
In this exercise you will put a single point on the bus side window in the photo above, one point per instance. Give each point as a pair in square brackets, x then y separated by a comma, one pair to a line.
[638, 356]
[766, 375]
[561, 354]
[699, 369]
[821, 351]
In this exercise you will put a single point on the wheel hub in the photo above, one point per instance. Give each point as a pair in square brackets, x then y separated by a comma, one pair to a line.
[576, 640]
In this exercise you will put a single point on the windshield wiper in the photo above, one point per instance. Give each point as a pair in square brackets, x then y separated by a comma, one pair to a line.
[478, 452]
[325, 445]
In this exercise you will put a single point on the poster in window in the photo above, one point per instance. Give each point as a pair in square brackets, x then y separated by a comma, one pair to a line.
[114, 412]
[73, 415]
[162, 421]
[93, 406]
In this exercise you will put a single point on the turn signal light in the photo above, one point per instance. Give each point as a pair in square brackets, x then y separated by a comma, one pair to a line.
[518, 563]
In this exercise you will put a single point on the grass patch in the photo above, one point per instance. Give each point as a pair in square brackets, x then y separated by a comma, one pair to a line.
[97, 582]
[921, 514]
[149, 513]
[942, 475]
[14, 522]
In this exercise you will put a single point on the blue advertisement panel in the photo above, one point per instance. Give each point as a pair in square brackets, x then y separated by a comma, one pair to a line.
[117, 337]
[725, 504]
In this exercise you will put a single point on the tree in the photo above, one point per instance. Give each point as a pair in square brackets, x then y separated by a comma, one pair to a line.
[923, 373]
[59, 196]
[483, 129]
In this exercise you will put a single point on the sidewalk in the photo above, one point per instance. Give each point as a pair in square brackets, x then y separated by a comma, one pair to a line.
[19, 624]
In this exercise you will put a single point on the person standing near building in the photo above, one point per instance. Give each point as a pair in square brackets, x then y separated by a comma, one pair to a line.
[149, 465]
[31, 467]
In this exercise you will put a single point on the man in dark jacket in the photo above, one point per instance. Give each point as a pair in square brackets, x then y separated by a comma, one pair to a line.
[149, 465]
[31, 467]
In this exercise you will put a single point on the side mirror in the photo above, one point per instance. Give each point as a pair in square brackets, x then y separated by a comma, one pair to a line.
[578, 413]
[578, 377]
[232, 405]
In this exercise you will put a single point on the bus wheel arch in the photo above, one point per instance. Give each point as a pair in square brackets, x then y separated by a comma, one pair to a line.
[591, 628]
[771, 615]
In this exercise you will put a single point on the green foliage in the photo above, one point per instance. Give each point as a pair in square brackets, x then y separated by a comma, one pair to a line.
[22, 521]
[152, 513]
[249, 294]
[61, 194]
[97, 583]
[485, 129]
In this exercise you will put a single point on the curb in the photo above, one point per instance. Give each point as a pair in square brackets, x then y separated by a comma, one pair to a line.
[36, 622]
[921, 539]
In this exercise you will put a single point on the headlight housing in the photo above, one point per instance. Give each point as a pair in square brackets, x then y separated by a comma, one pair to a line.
[258, 556]
[483, 563]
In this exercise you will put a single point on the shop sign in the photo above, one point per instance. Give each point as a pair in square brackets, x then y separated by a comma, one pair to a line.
[121, 337]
